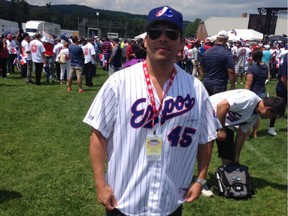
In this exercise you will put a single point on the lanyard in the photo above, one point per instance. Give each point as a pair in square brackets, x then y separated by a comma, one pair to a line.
[151, 94]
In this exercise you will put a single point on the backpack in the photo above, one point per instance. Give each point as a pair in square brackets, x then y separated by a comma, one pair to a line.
[234, 181]
[62, 58]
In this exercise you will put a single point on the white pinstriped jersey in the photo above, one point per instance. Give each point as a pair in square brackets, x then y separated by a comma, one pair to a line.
[122, 112]
[242, 107]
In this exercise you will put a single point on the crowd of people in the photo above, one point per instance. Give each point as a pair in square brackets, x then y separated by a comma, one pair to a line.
[54, 56]
[154, 120]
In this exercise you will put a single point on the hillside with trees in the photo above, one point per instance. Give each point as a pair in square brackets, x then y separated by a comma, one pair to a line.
[70, 16]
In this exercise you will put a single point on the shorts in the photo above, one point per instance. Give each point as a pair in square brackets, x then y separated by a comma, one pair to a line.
[239, 69]
[226, 149]
[75, 70]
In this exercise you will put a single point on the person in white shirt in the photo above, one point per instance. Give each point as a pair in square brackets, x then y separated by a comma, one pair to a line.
[65, 63]
[89, 61]
[56, 49]
[26, 53]
[38, 56]
[12, 49]
[240, 107]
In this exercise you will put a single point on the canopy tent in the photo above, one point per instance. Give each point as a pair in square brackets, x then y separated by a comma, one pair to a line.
[241, 34]
[141, 36]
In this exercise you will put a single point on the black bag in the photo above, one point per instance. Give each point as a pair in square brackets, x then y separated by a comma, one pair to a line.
[234, 181]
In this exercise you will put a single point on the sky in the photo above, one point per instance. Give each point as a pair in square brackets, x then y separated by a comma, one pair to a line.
[191, 9]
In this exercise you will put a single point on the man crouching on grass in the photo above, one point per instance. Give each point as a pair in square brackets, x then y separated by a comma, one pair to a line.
[241, 108]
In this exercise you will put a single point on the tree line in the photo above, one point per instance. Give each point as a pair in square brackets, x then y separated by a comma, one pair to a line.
[69, 16]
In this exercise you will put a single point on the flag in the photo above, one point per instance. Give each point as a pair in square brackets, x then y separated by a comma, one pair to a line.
[21, 58]
[47, 38]
[233, 32]
[103, 60]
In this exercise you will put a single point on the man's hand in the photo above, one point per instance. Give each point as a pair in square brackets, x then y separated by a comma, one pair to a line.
[106, 197]
[221, 134]
[193, 192]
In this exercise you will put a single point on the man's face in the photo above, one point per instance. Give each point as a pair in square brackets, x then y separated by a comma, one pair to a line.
[267, 114]
[162, 42]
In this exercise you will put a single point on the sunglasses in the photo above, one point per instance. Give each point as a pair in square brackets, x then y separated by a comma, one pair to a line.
[155, 33]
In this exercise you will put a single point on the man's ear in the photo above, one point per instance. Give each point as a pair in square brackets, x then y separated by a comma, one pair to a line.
[145, 42]
[267, 109]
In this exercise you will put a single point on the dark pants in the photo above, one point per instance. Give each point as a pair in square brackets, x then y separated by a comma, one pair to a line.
[38, 72]
[89, 67]
[116, 212]
[11, 62]
[3, 63]
[226, 148]
[57, 69]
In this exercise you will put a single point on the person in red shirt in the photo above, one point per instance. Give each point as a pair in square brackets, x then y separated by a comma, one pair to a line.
[49, 66]
[130, 53]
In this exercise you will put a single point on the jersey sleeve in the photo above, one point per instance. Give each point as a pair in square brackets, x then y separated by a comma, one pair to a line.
[209, 124]
[102, 112]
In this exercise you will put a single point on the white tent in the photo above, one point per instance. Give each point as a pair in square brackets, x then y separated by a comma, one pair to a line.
[241, 34]
[141, 36]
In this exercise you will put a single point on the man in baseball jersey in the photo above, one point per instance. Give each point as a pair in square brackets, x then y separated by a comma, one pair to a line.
[151, 121]
[240, 107]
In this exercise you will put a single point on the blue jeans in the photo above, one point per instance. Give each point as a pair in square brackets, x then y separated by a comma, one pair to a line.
[49, 68]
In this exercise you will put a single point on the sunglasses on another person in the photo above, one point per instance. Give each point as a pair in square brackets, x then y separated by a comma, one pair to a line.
[156, 32]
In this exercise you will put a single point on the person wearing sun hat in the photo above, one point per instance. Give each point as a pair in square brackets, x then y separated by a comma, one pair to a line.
[151, 121]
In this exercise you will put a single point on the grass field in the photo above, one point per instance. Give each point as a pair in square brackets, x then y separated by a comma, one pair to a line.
[45, 168]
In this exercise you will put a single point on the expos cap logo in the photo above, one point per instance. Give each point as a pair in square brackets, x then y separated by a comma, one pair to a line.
[166, 11]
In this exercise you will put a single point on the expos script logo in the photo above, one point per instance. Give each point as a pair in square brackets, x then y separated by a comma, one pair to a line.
[173, 107]
[166, 11]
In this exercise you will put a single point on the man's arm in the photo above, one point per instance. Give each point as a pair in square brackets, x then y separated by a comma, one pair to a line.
[249, 80]
[98, 153]
[203, 158]
[201, 71]
[283, 79]
[222, 110]
[232, 77]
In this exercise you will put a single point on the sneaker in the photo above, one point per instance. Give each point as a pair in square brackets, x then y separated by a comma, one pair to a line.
[81, 90]
[206, 191]
[266, 81]
[271, 131]
[69, 89]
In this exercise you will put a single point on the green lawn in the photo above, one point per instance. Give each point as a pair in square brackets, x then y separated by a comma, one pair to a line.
[45, 167]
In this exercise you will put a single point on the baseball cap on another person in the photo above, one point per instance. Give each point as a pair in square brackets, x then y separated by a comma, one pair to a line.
[164, 14]
[222, 34]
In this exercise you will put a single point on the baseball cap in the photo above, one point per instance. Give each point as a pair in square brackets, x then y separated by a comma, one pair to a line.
[164, 14]
[222, 34]
[267, 46]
